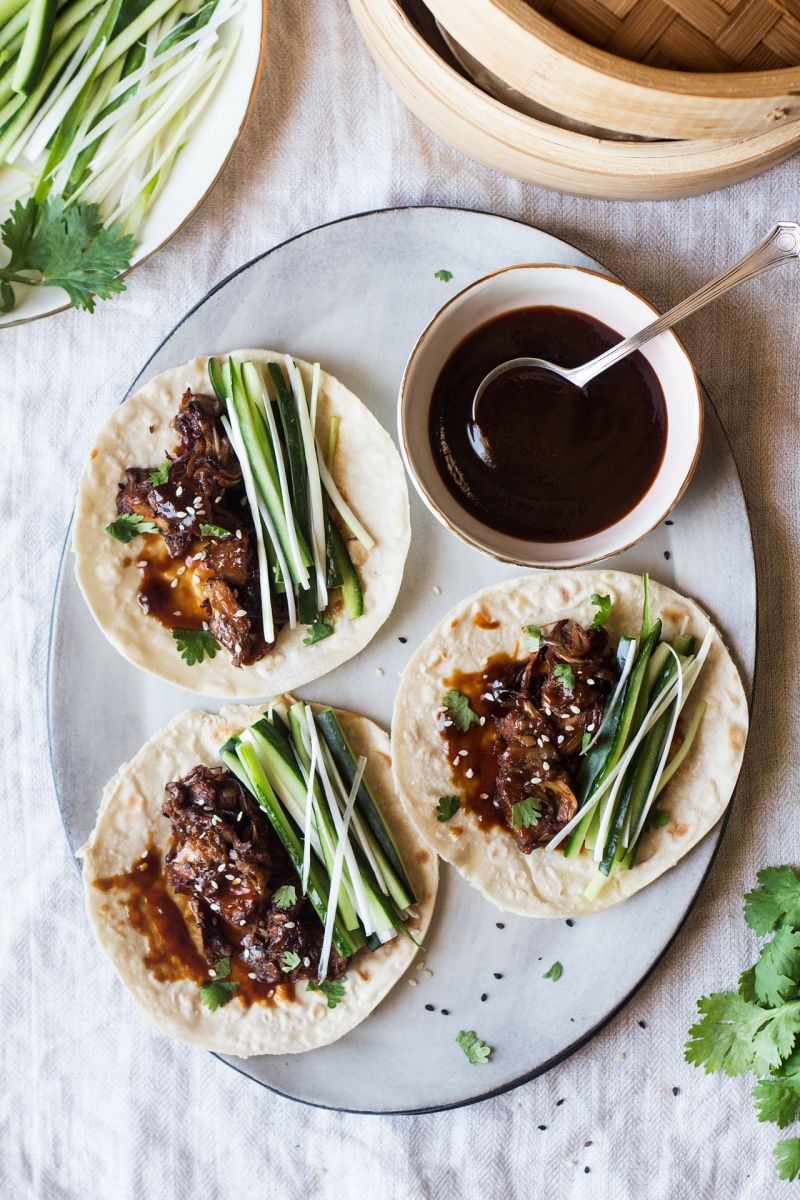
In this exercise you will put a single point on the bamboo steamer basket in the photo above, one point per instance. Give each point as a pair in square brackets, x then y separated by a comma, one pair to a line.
[537, 152]
[706, 68]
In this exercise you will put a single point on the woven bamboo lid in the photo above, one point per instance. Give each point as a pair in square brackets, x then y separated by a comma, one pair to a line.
[739, 60]
[534, 151]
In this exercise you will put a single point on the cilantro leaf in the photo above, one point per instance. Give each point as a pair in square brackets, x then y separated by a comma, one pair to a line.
[565, 673]
[533, 635]
[778, 969]
[723, 1038]
[775, 1041]
[585, 740]
[319, 630]
[458, 710]
[447, 807]
[217, 994]
[788, 1155]
[285, 896]
[777, 1100]
[476, 1051]
[658, 818]
[554, 973]
[63, 247]
[603, 606]
[290, 961]
[332, 990]
[195, 644]
[747, 985]
[214, 531]
[775, 902]
[526, 813]
[161, 474]
[126, 527]
[445, 276]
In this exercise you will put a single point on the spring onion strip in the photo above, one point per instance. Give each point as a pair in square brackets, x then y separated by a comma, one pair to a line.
[357, 824]
[663, 760]
[307, 824]
[234, 433]
[314, 485]
[47, 128]
[266, 517]
[662, 704]
[686, 746]
[154, 13]
[333, 433]
[341, 505]
[316, 374]
[203, 35]
[362, 902]
[265, 407]
[623, 679]
[336, 873]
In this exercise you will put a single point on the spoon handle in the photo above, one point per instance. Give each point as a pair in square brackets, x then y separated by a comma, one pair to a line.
[780, 245]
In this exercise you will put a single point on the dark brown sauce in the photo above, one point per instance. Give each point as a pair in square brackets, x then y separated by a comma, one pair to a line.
[154, 912]
[558, 463]
[178, 607]
[476, 792]
[483, 622]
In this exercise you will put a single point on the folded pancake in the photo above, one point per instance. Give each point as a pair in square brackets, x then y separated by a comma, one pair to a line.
[189, 574]
[510, 778]
[186, 883]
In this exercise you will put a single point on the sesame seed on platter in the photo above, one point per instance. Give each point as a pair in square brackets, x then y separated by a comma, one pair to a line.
[412, 983]
[437, 590]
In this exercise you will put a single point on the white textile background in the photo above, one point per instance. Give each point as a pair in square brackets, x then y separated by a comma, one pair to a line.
[96, 1106]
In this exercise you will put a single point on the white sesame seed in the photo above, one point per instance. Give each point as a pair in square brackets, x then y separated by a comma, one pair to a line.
[545, 766]
[229, 877]
[539, 742]
[181, 571]
[215, 907]
[447, 724]
[306, 962]
[379, 670]
[412, 983]
[487, 696]
[238, 648]
[420, 965]
[174, 583]
[428, 974]
[243, 922]
[239, 534]
[212, 972]
[560, 738]
[545, 738]
[219, 500]
[205, 626]
[536, 779]
[179, 490]
[251, 975]
[590, 728]
[455, 761]
[181, 514]
[590, 681]
[469, 773]
[239, 816]
[221, 867]
[142, 562]
[437, 590]
[463, 753]
[547, 712]
[482, 721]
[243, 501]
[573, 708]
[245, 955]
[240, 612]
[215, 885]
[177, 613]
[290, 925]
[569, 728]
[484, 795]
[145, 853]
[237, 880]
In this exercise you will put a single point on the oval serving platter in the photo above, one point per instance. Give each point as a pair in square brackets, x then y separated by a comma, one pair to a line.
[355, 295]
[196, 170]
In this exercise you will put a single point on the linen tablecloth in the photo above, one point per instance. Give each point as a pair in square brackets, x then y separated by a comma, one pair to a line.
[94, 1105]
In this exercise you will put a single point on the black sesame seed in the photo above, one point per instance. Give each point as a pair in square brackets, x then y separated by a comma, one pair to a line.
[497, 975]
[570, 922]
[586, 1170]
[404, 640]
[572, 1018]
[484, 996]
[666, 554]
[445, 1012]
[675, 1091]
[542, 1127]
[669, 522]
[559, 1102]
[500, 925]
[430, 1008]
[643, 1025]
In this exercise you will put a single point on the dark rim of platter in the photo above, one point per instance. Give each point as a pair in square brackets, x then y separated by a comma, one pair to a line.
[580, 1042]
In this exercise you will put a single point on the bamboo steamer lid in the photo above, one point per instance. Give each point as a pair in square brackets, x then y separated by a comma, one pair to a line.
[536, 152]
[656, 68]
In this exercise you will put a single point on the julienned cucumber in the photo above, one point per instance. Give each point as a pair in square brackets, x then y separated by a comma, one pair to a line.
[367, 806]
[35, 46]
[352, 594]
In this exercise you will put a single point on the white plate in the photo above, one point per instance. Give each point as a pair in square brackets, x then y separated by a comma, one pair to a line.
[196, 169]
[356, 295]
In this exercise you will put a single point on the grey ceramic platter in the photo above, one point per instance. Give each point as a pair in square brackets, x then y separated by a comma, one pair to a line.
[355, 295]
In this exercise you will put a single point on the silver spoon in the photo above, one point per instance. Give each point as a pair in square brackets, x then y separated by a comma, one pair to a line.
[780, 245]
